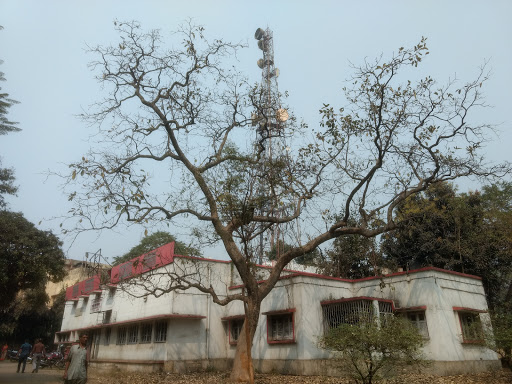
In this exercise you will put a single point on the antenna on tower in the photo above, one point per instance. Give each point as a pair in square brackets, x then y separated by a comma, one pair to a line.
[269, 120]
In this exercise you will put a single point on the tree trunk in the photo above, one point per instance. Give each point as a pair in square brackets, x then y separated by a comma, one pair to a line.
[243, 369]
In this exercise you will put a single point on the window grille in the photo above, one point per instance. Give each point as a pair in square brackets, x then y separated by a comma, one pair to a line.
[235, 327]
[385, 310]
[121, 335]
[161, 331]
[347, 312]
[471, 327]
[146, 332]
[280, 327]
[108, 332]
[133, 334]
[419, 321]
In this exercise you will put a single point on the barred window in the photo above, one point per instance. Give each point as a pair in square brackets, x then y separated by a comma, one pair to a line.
[133, 334]
[161, 331]
[106, 338]
[121, 335]
[471, 327]
[347, 312]
[146, 331]
[280, 327]
[235, 327]
[419, 321]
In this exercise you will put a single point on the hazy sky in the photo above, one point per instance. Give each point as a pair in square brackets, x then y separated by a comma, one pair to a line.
[45, 64]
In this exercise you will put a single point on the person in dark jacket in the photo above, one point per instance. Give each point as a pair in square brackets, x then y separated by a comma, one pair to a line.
[23, 353]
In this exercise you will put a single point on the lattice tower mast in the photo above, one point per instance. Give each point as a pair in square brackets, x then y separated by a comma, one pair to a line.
[270, 120]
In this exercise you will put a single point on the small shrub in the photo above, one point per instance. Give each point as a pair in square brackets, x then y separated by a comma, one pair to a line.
[368, 350]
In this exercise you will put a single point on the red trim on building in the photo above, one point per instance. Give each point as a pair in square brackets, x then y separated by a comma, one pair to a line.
[323, 277]
[235, 317]
[412, 309]
[141, 319]
[367, 298]
[465, 309]
[279, 312]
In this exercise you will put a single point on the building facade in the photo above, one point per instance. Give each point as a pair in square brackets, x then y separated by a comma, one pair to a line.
[135, 325]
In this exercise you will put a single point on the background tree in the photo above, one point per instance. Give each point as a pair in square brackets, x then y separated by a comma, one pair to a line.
[352, 257]
[370, 350]
[29, 258]
[185, 112]
[6, 126]
[468, 232]
[155, 240]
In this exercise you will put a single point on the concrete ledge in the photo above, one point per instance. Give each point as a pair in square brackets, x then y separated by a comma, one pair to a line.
[325, 367]
[330, 367]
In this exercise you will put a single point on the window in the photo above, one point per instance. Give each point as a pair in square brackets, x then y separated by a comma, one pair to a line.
[107, 316]
[75, 290]
[280, 328]
[146, 331]
[347, 312]
[471, 327]
[235, 327]
[111, 293]
[106, 339]
[385, 311]
[161, 332]
[133, 334]
[419, 321]
[121, 335]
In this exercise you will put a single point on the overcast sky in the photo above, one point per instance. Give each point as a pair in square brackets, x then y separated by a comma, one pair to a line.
[45, 64]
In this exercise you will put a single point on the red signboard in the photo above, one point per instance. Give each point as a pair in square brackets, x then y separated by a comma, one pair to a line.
[154, 259]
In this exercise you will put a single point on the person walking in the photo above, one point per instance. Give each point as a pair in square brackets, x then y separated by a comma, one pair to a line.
[38, 351]
[75, 371]
[23, 353]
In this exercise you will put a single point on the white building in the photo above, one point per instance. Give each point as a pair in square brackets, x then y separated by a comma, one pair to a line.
[184, 330]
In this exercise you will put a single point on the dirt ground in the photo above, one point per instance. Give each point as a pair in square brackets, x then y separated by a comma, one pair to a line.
[8, 375]
[501, 377]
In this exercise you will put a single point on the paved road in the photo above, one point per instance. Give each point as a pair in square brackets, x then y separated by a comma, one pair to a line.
[8, 375]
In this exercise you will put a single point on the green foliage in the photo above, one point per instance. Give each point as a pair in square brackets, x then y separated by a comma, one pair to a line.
[500, 340]
[29, 258]
[469, 233]
[154, 241]
[368, 350]
[6, 126]
[352, 257]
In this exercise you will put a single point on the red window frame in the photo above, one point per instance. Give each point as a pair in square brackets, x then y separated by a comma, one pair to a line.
[285, 312]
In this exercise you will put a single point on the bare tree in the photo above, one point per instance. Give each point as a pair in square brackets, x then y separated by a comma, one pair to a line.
[181, 118]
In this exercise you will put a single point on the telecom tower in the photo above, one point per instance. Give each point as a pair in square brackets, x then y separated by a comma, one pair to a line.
[270, 120]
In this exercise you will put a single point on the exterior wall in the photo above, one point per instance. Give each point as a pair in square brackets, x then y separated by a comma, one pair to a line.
[197, 329]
